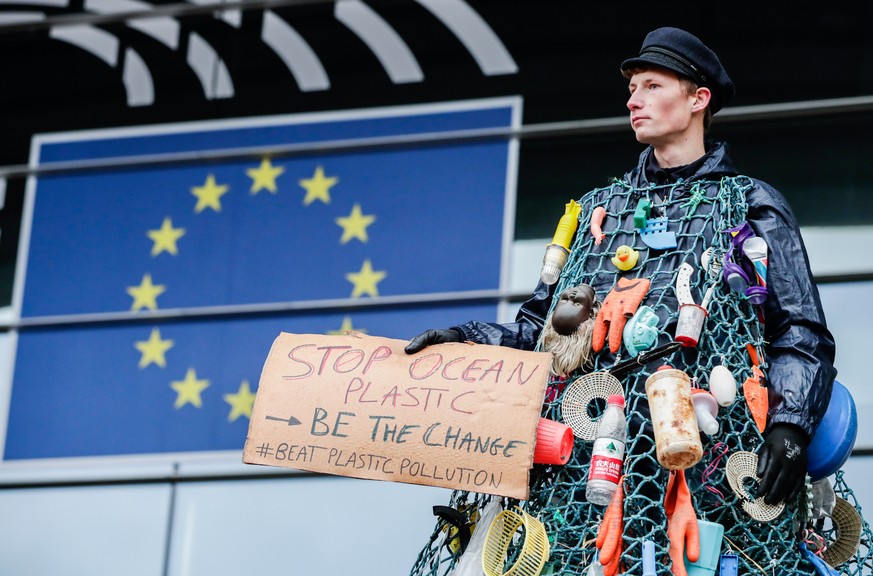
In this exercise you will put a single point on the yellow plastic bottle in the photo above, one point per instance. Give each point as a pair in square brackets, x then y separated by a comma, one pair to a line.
[557, 252]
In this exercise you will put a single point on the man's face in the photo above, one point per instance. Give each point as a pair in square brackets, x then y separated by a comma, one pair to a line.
[660, 109]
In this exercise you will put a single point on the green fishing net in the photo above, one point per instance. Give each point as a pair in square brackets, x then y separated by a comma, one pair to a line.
[731, 336]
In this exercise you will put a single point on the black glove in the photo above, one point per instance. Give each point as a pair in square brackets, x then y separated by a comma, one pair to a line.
[782, 463]
[425, 339]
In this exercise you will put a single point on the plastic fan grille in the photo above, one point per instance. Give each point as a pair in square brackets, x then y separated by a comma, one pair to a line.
[847, 523]
[741, 466]
[579, 396]
[534, 551]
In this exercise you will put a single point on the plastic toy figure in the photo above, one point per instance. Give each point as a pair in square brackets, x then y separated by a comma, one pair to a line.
[567, 332]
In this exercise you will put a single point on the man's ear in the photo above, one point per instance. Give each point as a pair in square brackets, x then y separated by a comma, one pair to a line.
[701, 99]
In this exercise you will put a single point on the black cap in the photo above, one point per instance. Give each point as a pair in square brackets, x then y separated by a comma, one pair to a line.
[684, 53]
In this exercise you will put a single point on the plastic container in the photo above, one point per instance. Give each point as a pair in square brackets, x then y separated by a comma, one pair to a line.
[649, 558]
[595, 568]
[607, 455]
[690, 324]
[677, 437]
[711, 536]
[554, 443]
[728, 565]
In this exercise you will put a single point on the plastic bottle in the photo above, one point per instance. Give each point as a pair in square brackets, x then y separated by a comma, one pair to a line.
[595, 568]
[558, 251]
[607, 455]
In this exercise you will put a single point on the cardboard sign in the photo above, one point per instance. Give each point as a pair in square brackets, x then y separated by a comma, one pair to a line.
[460, 416]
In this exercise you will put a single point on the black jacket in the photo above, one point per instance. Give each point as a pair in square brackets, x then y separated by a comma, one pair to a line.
[701, 201]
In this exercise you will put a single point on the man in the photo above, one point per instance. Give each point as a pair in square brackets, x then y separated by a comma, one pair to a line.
[683, 201]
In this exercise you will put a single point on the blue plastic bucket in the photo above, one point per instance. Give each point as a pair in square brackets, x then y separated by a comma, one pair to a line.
[711, 537]
[835, 437]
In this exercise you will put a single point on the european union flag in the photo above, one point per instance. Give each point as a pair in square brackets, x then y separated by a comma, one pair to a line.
[227, 237]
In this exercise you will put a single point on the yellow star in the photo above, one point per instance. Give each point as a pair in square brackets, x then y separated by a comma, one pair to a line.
[317, 187]
[355, 225]
[264, 176]
[153, 349]
[365, 281]
[146, 294]
[241, 403]
[345, 327]
[189, 389]
[165, 237]
[209, 195]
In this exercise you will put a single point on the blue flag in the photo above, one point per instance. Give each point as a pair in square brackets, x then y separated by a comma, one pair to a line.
[230, 236]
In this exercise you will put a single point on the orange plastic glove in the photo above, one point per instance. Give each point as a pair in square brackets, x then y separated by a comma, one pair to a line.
[611, 529]
[618, 307]
[682, 528]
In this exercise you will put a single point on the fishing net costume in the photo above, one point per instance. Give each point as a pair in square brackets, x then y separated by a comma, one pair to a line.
[698, 212]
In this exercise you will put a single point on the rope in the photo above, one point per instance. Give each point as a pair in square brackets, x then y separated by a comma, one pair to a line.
[700, 212]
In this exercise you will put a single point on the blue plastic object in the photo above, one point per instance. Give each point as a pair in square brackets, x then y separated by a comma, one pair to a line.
[711, 536]
[641, 331]
[821, 567]
[728, 565]
[835, 436]
[656, 235]
[648, 558]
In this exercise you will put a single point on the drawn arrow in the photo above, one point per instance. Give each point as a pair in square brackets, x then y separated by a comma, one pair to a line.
[292, 421]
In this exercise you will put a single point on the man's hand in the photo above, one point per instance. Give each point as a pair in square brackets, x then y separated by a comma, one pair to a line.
[429, 337]
[782, 463]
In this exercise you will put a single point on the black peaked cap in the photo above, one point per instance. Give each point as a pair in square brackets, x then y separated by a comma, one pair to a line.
[684, 53]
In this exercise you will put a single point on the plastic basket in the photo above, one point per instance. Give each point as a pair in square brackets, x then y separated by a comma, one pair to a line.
[501, 534]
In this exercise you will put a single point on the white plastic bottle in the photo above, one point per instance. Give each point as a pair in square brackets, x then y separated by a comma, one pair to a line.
[595, 568]
[607, 456]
